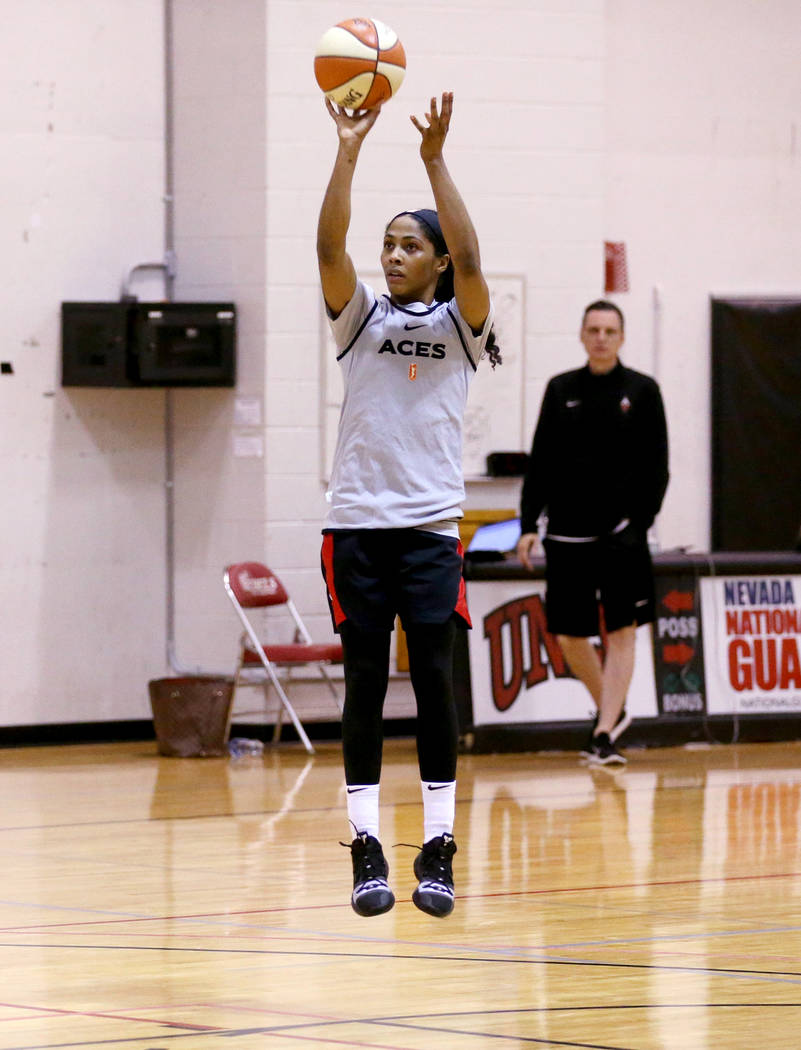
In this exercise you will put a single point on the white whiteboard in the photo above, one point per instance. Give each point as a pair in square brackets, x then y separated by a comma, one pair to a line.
[494, 417]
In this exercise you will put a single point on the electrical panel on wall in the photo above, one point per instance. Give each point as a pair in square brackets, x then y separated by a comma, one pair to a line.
[135, 344]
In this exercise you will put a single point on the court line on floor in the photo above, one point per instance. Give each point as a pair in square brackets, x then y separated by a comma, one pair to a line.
[224, 919]
[178, 818]
[56, 1011]
[602, 888]
[405, 1021]
[273, 933]
[427, 957]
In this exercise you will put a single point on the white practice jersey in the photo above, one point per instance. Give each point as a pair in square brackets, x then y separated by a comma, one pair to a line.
[406, 371]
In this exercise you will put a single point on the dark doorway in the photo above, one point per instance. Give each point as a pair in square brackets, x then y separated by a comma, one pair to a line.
[756, 424]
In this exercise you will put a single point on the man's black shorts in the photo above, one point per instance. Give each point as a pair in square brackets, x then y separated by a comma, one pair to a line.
[614, 572]
[374, 575]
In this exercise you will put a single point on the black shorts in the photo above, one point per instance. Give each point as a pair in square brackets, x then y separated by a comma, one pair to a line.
[374, 575]
[613, 573]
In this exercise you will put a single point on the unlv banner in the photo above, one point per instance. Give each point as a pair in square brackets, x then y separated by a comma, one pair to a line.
[752, 650]
[517, 669]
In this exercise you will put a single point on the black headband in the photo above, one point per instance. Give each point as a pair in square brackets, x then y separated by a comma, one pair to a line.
[428, 218]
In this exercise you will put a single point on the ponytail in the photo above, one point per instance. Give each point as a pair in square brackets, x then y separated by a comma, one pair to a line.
[492, 350]
[444, 291]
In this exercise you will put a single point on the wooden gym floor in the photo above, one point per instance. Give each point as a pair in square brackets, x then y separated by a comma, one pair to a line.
[187, 904]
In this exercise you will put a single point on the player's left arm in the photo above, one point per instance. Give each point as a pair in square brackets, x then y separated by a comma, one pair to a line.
[652, 455]
[470, 286]
[661, 451]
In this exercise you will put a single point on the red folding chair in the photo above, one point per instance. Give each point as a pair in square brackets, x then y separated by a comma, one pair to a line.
[251, 585]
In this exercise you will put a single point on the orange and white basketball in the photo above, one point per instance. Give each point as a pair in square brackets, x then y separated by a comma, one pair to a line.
[359, 63]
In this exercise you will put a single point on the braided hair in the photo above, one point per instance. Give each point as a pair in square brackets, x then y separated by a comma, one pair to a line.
[428, 220]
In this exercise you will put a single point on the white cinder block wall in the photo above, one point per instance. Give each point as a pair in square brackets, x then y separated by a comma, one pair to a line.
[702, 180]
[81, 471]
[669, 126]
[219, 150]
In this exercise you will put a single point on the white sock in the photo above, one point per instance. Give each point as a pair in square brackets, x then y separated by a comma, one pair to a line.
[439, 805]
[363, 809]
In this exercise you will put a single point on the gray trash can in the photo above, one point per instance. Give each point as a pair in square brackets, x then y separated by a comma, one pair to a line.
[191, 716]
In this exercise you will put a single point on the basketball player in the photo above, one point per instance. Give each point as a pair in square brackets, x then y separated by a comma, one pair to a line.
[598, 469]
[391, 539]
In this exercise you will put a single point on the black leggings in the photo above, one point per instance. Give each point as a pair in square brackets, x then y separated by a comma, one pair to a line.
[431, 648]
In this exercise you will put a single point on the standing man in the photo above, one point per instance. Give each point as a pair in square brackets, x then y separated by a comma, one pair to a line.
[598, 471]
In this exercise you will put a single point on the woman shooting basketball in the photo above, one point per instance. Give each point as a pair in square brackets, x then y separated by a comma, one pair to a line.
[391, 541]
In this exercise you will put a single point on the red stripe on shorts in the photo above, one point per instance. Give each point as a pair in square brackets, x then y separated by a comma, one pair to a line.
[328, 563]
[461, 601]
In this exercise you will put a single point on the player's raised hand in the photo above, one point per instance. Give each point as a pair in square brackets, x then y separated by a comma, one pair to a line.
[435, 131]
[352, 126]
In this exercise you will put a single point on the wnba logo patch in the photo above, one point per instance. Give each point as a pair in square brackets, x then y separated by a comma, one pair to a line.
[413, 371]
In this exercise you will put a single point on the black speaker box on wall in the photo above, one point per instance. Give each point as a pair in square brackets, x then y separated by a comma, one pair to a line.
[133, 344]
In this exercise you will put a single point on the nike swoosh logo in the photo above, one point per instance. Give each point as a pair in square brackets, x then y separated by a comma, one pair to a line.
[437, 787]
[411, 327]
[352, 791]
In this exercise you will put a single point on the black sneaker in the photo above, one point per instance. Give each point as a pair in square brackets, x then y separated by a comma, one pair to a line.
[433, 869]
[604, 752]
[371, 894]
[620, 727]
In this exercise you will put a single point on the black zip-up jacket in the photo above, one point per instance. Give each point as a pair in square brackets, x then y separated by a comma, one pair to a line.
[599, 454]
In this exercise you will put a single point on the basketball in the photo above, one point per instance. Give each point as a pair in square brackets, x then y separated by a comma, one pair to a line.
[359, 63]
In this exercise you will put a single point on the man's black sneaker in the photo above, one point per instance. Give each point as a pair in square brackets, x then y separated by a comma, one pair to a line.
[604, 752]
[433, 869]
[371, 894]
[622, 724]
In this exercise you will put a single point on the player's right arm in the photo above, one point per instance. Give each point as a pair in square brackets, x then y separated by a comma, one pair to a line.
[469, 284]
[337, 274]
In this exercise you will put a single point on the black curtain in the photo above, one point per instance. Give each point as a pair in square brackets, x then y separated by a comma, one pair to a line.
[756, 424]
